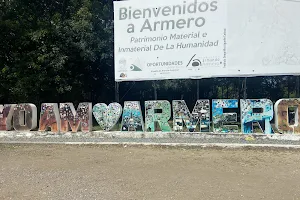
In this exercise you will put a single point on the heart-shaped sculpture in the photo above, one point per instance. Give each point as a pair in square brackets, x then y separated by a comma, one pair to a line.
[107, 116]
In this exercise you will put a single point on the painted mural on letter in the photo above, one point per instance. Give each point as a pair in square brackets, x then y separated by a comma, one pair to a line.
[49, 117]
[25, 117]
[202, 109]
[132, 118]
[182, 115]
[262, 116]
[70, 118]
[285, 121]
[107, 116]
[6, 113]
[223, 122]
[160, 112]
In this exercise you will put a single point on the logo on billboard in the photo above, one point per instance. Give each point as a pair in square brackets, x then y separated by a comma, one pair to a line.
[135, 68]
[135, 65]
[213, 61]
[122, 64]
[123, 75]
[194, 62]
[129, 65]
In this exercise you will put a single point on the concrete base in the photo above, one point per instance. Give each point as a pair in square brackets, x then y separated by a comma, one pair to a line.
[149, 135]
[170, 139]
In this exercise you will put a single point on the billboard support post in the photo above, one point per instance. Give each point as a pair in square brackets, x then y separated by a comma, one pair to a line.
[117, 95]
[198, 95]
[154, 89]
[244, 87]
[297, 86]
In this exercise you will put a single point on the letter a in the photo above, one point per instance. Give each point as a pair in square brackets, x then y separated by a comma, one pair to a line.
[130, 28]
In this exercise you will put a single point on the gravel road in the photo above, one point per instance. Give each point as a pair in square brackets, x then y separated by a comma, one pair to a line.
[123, 172]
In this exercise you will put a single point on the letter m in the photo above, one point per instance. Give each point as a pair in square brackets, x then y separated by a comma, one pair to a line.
[200, 114]
[71, 118]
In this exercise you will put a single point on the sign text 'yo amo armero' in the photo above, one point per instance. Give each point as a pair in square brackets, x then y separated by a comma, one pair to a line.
[224, 113]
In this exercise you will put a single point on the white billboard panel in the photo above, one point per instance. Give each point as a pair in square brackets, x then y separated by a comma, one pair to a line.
[176, 39]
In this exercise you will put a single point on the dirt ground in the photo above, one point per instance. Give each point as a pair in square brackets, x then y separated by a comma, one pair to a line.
[118, 172]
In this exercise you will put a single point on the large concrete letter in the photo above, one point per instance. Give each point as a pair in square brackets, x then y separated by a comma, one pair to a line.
[160, 112]
[222, 120]
[132, 119]
[107, 116]
[256, 110]
[182, 115]
[49, 117]
[69, 116]
[25, 117]
[282, 120]
[6, 113]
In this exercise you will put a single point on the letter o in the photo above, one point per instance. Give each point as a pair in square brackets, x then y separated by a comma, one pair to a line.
[197, 21]
[206, 6]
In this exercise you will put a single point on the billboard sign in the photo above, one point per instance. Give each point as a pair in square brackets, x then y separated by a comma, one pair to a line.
[176, 39]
